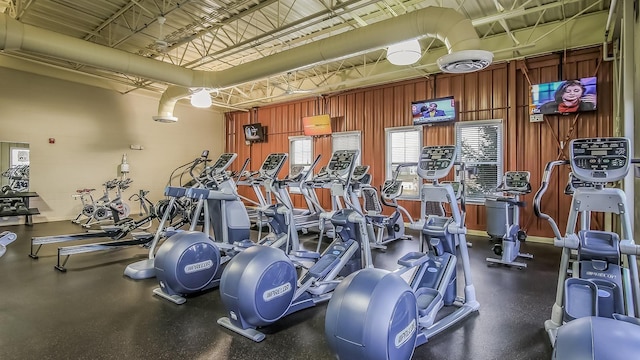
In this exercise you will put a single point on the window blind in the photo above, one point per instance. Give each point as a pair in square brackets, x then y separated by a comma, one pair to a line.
[480, 146]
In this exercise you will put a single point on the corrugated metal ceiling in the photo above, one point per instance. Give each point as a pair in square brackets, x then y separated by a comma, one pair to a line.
[219, 34]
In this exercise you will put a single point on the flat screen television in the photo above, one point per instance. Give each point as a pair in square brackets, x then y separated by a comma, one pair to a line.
[316, 125]
[254, 132]
[563, 97]
[433, 111]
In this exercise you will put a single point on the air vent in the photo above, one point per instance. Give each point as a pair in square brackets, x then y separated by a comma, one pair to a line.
[165, 119]
[465, 61]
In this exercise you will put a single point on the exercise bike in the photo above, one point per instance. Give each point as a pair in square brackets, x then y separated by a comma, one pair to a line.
[595, 314]
[503, 218]
[375, 314]
[88, 205]
[105, 209]
[261, 284]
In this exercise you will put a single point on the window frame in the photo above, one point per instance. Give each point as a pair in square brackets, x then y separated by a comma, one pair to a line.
[292, 139]
[357, 133]
[499, 152]
[388, 165]
[292, 163]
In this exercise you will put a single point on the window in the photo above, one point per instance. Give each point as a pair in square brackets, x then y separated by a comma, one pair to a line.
[300, 154]
[403, 146]
[300, 151]
[349, 140]
[480, 147]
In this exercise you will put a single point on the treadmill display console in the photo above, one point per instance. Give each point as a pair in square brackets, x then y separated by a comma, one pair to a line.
[272, 165]
[516, 181]
[223, 162]
[436, 161]
[600, 160]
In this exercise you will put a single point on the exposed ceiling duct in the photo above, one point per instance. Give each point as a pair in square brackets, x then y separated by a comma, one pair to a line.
[445, 24]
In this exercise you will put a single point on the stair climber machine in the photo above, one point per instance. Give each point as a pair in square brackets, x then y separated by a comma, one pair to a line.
[596, 310]
[6, 238]
[503, 219]
[375, 314]
[388, 228]
[145, 269]
[191, 262]
[261, 285]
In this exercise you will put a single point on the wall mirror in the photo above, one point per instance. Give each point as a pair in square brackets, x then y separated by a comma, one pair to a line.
[14, 167]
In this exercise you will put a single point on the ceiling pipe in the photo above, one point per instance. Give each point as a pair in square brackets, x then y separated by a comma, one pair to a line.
[445, 24]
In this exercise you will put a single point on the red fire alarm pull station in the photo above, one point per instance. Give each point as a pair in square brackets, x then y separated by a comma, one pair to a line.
[52, 141]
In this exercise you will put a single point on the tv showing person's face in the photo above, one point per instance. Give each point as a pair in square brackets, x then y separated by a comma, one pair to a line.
[572, 94]
[433, 107]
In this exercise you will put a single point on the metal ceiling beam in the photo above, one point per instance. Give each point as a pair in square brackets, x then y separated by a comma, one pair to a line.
[521, 11]
[550, 40]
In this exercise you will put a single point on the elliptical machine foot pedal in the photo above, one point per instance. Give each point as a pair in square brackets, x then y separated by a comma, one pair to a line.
[324, 265]
[176, 299]
[250, 333]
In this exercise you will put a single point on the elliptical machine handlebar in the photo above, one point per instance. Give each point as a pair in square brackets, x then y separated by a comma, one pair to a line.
[546, 176]
[463, 175]
[202, 159]
[394, 177]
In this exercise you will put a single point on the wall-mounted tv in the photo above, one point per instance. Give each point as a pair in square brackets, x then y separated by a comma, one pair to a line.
[254, 132]
[563, 97]
[433, 111]
[317, 125]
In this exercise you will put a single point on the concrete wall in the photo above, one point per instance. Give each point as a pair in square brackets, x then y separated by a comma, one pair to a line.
[93, 127]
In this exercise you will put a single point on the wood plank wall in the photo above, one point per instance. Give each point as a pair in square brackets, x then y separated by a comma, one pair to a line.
[499, 92]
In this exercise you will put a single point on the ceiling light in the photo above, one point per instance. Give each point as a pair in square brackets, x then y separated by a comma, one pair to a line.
[404, 53]
[201, 99]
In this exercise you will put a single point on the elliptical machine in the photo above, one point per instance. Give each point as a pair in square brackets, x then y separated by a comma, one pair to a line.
[261, 284]
[145, 269]
[595, 314]
[375, 314]
[191, 261]
[388, 228]
[503, 219]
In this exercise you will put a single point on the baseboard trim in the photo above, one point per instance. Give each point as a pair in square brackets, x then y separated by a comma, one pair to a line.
[534, 239]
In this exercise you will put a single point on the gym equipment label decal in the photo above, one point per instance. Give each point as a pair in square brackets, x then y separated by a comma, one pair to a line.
[405, 334]
[192, 268]
[276, 292]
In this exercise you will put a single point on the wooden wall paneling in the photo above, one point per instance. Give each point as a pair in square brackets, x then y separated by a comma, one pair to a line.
[501, 91]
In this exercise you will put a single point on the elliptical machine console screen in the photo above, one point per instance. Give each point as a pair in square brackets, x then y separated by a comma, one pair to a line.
[341, 162]
[360, 171]
[600, 160]
[436, 161]
[223, 162]
[392, 189]
[296, 171]
[272, 164]
[574, 183]
[516, 180]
